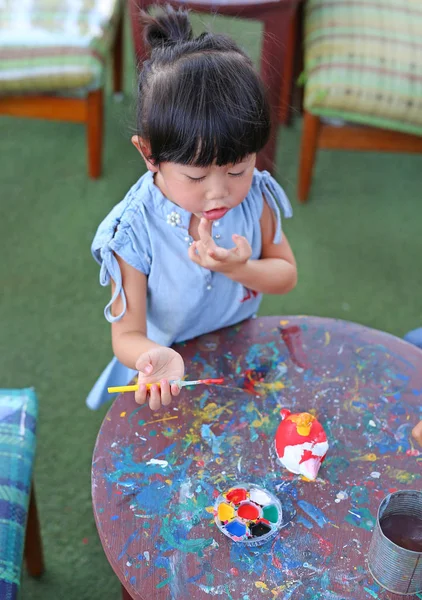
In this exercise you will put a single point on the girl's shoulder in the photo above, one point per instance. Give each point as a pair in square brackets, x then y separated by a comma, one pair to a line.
[265, 188]
[126, 217]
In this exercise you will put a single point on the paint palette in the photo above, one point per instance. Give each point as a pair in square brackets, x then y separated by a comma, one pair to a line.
[248, 514]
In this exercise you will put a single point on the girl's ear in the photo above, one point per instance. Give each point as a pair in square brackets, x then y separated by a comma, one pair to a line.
[144, 150]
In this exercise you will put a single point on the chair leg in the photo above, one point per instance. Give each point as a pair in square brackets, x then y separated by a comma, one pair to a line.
[285, 112]
[135, 6]
[94, 126]
[33, 551]
[125, 594]
[118, 57]
[276, 27]
[309, 145]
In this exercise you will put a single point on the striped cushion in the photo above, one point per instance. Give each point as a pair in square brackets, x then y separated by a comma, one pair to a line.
[51, 45]
[363, 61]
[18, 417]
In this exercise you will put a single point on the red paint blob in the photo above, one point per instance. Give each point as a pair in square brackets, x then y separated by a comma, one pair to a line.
[234, 571]
[209, 381]
[237, 495]
[248, 511]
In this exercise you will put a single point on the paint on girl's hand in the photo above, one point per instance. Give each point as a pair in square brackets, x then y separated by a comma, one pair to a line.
[248, 514]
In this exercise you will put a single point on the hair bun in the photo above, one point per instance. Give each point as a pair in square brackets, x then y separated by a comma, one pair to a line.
[168, 26]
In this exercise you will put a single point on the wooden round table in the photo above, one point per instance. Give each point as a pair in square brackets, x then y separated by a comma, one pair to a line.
[155, 476]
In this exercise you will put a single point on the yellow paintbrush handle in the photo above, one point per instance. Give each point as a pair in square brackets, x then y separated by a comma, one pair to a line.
[123, 388]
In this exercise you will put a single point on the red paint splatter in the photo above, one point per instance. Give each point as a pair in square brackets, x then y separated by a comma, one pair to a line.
[210, 381]
[215, 494]
[413, 452]
[85, 541]
[292, 337]
[234, 571]
[201, 463]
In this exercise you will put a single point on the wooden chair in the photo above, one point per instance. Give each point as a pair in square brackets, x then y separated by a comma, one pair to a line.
[276, 16]
[52, 64]
[362, 68]
[19, 525]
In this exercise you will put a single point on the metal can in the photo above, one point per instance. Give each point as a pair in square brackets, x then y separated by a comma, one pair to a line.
[396, 568]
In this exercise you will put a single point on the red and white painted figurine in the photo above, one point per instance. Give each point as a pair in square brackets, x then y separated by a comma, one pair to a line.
[301, 443]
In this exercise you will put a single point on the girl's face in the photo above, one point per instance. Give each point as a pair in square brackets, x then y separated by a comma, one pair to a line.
[208, 192]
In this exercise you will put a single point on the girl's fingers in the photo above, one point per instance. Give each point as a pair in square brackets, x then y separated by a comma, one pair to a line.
[218, 253]
[165, 392]
[154, 397]
[141, 394]
[175, 390]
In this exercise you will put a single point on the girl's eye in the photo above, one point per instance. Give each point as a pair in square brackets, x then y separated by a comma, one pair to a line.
[196, 179]
[236, 174]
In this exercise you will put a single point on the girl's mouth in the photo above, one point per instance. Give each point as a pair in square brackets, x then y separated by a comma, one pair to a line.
[213, 215]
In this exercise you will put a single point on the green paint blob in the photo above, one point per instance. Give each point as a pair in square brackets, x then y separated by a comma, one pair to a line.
[153, 433]
[163, 583]
[271, 513]
[141, 422]
[146, 525]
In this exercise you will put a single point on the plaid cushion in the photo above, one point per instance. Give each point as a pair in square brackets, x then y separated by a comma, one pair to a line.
[363, 61]
[18, 417]
[51, 45]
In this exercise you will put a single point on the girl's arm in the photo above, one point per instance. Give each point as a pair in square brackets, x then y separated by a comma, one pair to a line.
[275, 272]
[132, 347]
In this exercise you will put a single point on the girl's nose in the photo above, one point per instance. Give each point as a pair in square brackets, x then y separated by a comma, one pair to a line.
[218, 189]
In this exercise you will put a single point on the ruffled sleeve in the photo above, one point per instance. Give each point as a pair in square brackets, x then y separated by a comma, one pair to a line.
[123, 232]
[276, 199]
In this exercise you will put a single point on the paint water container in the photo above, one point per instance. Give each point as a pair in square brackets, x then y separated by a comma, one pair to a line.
[248, 514]
[395, 553]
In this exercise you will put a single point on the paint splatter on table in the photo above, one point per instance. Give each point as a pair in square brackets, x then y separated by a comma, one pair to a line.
[155, 476]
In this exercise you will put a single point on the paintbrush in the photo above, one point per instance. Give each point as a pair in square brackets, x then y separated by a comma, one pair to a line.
[179, 382]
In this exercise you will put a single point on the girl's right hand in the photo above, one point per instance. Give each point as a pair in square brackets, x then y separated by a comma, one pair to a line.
[159, 365]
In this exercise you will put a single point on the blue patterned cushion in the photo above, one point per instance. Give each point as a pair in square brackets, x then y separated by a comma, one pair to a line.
[18, 418]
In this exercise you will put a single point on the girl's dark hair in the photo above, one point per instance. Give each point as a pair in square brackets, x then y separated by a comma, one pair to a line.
[200, 99]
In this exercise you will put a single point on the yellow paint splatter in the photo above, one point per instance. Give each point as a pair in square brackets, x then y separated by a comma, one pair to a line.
[272, 386]
[284, 322]
[168, 481]
[327, 338]
[219, 460]
[123, 414]
[402, 476]
[368, 457]
[261, 585]
[210, 509]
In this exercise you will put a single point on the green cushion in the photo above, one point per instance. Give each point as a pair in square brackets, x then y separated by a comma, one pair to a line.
[55, 45]
[363, 62]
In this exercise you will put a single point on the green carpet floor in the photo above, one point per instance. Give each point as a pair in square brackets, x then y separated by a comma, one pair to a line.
[358, 249]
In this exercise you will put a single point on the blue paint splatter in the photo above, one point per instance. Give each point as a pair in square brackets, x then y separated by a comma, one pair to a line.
[212, 440]
[304, 521]
[313, 512]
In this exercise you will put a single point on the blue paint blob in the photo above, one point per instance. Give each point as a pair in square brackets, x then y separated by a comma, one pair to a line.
[236, 529]
[133, 580]
[115, 517]
[313, 512]
[146, 498]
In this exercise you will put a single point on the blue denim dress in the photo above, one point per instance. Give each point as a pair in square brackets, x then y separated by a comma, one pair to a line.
[184, 300]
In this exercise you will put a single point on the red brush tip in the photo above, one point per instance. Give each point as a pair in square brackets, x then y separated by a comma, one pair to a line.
[208, 381]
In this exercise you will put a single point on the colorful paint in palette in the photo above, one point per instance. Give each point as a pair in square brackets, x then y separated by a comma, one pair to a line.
[248, 514]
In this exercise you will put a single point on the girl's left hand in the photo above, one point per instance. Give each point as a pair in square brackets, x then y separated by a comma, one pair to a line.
[207, 254]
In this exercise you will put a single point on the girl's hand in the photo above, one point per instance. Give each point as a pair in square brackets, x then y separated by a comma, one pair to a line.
[207, 254]
[159, 365]
[417, 433]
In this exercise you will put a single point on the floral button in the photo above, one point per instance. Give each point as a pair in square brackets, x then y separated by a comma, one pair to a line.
[174, 219]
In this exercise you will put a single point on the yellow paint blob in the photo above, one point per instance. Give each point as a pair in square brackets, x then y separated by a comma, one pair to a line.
[169, 481]
[123, 414]
[210, 509]
[284, 322]
[368, 457]
[225, 512]
[303, 423]
[261, 585]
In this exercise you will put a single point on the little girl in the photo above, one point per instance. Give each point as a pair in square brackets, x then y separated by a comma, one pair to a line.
[197, 240]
